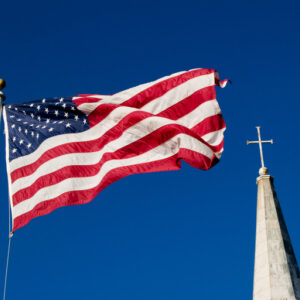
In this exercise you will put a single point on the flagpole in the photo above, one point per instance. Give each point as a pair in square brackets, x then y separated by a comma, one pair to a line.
[2, 98]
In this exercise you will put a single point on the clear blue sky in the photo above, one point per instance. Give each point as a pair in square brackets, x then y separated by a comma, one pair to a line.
[187, 234]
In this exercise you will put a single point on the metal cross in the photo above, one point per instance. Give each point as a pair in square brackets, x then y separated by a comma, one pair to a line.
[260, 142]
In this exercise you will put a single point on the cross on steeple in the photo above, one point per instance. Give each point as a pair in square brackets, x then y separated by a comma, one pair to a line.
[260, 142]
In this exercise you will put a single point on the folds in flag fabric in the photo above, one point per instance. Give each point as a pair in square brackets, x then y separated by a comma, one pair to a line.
[64, 151]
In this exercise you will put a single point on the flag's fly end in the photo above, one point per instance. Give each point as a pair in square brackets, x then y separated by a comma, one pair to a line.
[221, 83]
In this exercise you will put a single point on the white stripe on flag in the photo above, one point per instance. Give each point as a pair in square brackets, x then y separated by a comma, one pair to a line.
[203, 111]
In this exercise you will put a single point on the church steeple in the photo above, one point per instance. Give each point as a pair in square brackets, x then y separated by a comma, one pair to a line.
[276, 273]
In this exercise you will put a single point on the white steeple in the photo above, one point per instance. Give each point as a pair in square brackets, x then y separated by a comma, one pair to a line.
[276, 273]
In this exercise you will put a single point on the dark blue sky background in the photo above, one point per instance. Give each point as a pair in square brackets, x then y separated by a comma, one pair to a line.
[187, 234]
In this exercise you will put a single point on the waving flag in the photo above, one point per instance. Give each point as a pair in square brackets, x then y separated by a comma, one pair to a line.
[64, 151]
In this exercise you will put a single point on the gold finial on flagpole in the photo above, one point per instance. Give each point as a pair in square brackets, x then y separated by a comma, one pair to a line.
[2, 84]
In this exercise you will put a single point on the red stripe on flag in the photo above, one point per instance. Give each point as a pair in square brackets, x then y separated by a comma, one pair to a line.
[85, 99]
[100, 113]
[209, 124]
[188, 104]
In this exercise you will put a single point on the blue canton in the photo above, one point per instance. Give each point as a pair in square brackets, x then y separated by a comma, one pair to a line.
[29, 124]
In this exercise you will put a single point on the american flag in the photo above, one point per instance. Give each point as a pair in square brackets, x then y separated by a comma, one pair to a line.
[64, 151]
